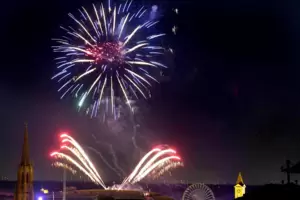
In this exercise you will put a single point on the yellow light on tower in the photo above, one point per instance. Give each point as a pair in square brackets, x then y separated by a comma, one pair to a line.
[240, 187]
[45, 191]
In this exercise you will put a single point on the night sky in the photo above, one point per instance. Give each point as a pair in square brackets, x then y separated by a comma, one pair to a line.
[231, 104]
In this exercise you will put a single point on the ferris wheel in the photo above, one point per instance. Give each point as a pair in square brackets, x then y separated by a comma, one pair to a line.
[198, 191]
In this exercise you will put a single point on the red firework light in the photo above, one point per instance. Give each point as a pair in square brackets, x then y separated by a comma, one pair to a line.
[107, 51]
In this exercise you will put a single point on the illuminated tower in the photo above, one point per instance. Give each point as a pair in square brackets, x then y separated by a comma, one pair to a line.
[240, 187]
[24, 189]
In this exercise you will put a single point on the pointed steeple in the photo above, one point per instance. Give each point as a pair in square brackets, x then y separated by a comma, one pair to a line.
[239, 180]
[24, 189]
[25, 151]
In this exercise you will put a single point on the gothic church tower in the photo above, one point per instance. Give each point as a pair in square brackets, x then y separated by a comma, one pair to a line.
[24, 189]
[240, 187]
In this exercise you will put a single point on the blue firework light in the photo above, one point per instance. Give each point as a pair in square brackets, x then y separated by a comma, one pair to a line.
[111, 50]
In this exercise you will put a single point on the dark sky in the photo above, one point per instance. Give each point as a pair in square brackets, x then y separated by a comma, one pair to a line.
[231, 104]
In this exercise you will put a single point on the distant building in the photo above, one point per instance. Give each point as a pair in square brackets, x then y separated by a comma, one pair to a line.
[24, 188]
[240, 187]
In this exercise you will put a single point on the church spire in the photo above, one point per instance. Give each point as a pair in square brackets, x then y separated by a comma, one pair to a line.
[25, 151]
[24, 189]
[239, 180]
[240, 187]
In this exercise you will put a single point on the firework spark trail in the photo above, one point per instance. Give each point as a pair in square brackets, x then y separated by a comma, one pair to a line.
[134, 142]
[63, 165]
[145, 173]
[165, 168]
[102, 157]
[76, 150]
[105, 161]
[68, 158]
[84, 155]
[133, 138]
[116, 167]
[136, 169]
[154, 158]
[136, 145]
[112, 51]
[80, 154]
[154, 163]
[115, 160]
[81, 159]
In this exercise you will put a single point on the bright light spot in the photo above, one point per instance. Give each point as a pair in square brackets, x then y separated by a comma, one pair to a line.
[146, 194]
[46, 191]
[82, 100]
[40, 198]
[154, 8]
[174, 29]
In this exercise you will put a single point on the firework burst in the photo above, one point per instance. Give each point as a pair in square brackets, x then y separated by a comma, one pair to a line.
[76, 156]
[113, 51]
[154, 164]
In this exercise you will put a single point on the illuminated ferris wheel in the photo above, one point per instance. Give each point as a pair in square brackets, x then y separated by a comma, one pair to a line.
[198, 191]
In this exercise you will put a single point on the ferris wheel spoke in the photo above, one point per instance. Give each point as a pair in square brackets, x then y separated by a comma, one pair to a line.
[198, 191]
